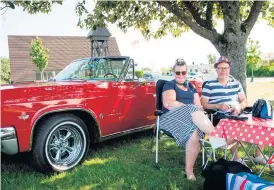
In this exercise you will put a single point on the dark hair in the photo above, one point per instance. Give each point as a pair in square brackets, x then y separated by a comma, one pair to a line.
[179, 62]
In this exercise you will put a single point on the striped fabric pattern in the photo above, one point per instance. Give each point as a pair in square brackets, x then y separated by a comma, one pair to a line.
[217, 93]
[179, 123]
[245, 181]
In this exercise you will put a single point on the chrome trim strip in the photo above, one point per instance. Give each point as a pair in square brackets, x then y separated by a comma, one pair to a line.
[62, 110]
[139, 129]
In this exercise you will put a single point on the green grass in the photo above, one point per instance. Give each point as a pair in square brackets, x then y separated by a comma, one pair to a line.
[123, 163]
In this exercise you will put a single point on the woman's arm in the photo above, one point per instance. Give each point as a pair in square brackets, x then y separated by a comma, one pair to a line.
[169, 100]
[197, 101]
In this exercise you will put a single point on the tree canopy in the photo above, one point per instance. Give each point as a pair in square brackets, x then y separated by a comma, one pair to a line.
[212, 58]
[176, 17]
[32, 7]
[39, 55]
[5, 70]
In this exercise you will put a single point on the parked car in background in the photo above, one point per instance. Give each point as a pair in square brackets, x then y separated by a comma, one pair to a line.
[151, 75]
[91, 100]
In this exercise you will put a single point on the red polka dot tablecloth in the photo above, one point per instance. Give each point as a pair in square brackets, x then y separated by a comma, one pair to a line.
[254, 130]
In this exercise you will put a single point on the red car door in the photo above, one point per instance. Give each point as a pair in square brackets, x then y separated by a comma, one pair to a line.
[108, 105]
[104, 99]
[139, 104]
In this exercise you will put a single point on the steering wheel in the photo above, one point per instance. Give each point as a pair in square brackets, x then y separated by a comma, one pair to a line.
[110, 74]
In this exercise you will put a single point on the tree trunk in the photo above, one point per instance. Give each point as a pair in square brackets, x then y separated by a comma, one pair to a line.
[234, 48]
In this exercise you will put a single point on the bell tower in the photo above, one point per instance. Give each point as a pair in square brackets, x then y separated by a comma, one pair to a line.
[99, 42]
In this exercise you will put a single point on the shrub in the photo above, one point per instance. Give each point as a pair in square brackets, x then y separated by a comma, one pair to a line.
[139, 73]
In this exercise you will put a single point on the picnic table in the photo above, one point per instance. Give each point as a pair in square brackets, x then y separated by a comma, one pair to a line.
[256, 131]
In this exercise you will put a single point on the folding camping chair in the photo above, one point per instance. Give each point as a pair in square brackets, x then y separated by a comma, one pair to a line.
[158, 131]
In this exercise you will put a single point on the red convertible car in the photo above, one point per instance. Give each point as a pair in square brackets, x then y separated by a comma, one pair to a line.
[89, 101]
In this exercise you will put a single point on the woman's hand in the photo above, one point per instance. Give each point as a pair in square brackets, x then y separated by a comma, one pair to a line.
[223, 107]
[200, 107]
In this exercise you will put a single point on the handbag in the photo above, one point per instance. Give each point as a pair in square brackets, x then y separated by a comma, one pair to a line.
[246, 181]
[263, 109]
[215, 173]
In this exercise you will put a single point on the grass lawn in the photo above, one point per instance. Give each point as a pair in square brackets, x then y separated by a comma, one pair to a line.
[123, 163]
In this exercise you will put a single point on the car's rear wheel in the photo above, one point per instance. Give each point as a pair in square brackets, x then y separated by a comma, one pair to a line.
[60, 143]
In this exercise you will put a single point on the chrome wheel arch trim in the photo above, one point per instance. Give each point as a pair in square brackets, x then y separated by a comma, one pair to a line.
[62, 110]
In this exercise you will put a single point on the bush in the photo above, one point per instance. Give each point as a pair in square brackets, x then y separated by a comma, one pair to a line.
[262, 71]
[139, 73]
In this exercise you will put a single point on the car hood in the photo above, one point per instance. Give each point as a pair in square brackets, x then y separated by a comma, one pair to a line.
[39, 84]
[35, 91]
[27, 85]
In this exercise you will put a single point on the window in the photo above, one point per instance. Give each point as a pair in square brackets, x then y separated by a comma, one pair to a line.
[129, 75]
[46, 75]
[94, 69]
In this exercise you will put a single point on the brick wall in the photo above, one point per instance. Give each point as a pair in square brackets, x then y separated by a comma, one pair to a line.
[62, 51]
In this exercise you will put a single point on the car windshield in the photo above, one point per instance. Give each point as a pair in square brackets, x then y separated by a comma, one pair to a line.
[94, 69]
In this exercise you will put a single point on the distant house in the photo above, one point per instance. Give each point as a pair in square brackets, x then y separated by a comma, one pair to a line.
[62, 51]
[207, 68]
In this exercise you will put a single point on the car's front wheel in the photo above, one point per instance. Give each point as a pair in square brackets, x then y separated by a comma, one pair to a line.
[60, 143]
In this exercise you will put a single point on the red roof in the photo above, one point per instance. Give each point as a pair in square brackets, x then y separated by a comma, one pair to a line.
[62, 51]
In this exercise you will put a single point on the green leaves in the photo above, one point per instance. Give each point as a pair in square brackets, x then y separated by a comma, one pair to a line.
[5, 70]
[39, 55]
[212, 58]
[33, 7]
[139, 73]
[268, 12]
[253, 52]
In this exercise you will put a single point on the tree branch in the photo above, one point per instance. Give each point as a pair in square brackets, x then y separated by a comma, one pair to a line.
[253, 15]
[202, 31]
[231, 14]
[209, 15]
[1, 8]
[194, 12]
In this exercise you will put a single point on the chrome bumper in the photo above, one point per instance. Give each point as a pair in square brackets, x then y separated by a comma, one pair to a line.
[9, 141]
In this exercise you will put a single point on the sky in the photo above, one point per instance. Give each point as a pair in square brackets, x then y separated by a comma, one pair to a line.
[153, 53]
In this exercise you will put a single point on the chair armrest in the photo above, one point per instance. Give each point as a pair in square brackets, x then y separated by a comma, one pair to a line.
[209, 111]
[158, 112]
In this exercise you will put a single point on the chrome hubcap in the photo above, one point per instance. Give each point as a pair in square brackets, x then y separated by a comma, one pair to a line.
[65, 145]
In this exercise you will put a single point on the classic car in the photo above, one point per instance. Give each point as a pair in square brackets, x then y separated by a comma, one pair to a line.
[90, 100]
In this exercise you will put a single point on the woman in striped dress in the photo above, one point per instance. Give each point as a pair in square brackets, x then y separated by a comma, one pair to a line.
[180, 103]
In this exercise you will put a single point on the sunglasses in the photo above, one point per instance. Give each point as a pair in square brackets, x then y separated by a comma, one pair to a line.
[179, 72]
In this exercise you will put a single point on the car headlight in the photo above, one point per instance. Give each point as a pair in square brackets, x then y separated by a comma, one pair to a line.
[7, 133]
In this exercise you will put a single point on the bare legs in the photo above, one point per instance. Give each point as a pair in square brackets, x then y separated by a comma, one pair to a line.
[192, 151]
[257, 152]
[235, 149]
